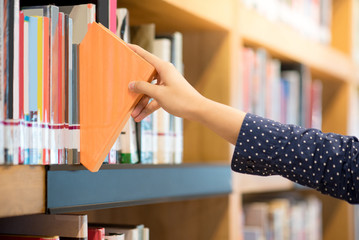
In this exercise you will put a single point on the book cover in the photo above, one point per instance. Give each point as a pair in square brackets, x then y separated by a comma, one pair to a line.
[64, 225]
[105, 106]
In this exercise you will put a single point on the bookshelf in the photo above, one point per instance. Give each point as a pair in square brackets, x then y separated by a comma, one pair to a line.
[214, 32]
[22, 190]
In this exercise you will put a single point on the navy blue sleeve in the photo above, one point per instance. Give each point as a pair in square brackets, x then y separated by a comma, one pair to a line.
[327, 162]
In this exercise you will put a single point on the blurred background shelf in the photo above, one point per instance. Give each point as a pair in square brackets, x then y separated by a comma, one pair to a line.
[284, 42]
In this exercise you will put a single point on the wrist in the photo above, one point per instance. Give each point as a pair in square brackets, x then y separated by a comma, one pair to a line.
[199, 109]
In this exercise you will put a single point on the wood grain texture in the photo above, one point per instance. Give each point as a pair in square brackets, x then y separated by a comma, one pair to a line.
[22, 190]
[172, 15]
[204, 219]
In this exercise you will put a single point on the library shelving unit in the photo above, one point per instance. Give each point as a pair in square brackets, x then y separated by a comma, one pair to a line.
[200, 199]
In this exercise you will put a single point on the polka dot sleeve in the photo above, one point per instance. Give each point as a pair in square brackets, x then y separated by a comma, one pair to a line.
[326, 162]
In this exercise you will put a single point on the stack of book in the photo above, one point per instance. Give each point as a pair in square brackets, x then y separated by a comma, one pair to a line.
[39, 88]
[311, 18]
[280, 91]
[283, 218]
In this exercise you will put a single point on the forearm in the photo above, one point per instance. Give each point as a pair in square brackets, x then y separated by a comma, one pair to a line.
[325, 161]
[225, 121]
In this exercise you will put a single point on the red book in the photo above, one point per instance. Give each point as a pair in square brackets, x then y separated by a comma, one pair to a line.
[59, 86]
[95, 233]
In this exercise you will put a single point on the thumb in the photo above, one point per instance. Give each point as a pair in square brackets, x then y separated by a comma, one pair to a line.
[143, 88]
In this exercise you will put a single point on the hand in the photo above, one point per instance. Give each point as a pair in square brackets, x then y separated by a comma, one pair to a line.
[172, 92]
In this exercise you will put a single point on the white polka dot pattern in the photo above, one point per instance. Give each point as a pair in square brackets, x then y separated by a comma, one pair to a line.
[327, 162]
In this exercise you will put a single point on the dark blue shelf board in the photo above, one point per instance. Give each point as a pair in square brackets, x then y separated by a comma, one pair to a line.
[73, 188]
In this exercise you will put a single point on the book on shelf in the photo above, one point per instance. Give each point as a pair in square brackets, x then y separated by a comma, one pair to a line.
[130, 231]
[65, 226]
[284, 218]
[48, 105]
[278, 90]
[128, 137]
[312, 19]
[106, 98]
[144, 36]
[176, 123]
[115, 236]
[96, 233]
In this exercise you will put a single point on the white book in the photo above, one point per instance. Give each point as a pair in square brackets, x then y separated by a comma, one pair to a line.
[117, 236]
[81, 15]
[162, 49]
[122, 29]
[16, 81]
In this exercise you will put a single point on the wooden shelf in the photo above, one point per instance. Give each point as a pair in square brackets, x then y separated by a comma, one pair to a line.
[184, 16]
[71, 188]
[22, 190]
[286, 43]
[255, 184]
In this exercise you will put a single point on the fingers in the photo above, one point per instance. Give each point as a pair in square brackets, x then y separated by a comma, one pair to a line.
[143, 88]
[150, 108]
[140, 106]
[152, 59]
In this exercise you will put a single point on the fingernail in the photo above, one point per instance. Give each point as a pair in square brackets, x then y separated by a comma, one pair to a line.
[131, 86]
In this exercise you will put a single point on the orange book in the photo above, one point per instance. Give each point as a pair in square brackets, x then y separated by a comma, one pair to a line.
[107, 65]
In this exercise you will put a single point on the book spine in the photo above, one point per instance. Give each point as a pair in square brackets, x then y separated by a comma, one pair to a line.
[21, 88]
[38, 127]
[2, 84]
[112, 15]
[53, 14]
[46, 92]
[75, 109]
[103, 12]
[33, 82]
[60, 89]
